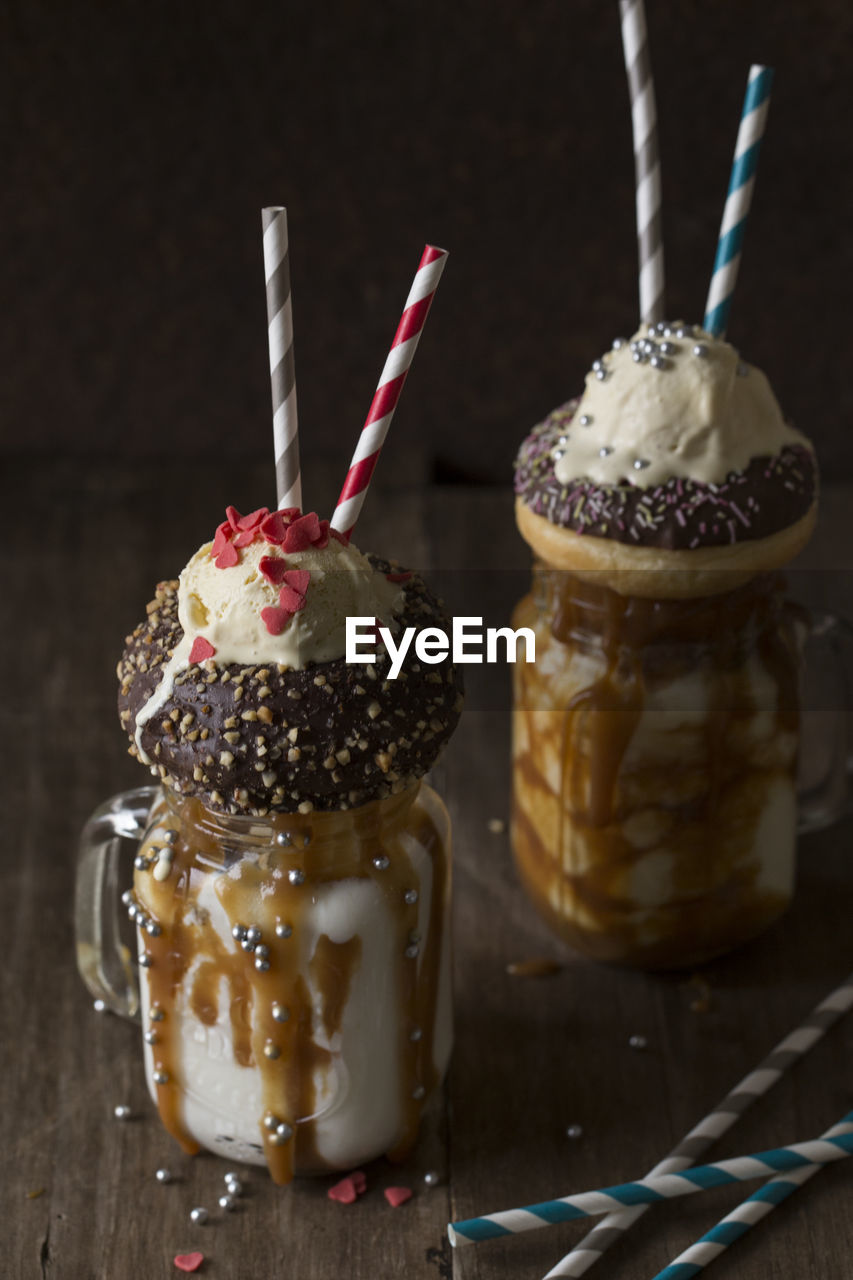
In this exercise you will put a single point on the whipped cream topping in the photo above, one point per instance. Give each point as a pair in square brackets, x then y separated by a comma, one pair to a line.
[672, 401]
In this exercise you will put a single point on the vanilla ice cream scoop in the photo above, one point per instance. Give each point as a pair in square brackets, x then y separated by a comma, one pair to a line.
[234, 607]
[671, 403]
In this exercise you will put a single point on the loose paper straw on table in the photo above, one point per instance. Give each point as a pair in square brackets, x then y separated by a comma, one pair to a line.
[646, 158]
[282, 374]
[667, 1186]
[387, 394]
[753, 122]
[715, 1124]
[747, 1215]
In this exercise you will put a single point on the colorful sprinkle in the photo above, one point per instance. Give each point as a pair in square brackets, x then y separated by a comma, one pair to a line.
[397, 1196]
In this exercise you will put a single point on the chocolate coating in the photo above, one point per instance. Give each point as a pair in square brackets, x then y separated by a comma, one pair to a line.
[253, 740]
[771, 494]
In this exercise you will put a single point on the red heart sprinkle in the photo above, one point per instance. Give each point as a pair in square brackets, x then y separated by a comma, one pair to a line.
[201, 649]
[397, 1196]
[298, 579]
[302, 533]
[274, 568]
[245, 538]
[228, 557]
[254, 518]
[188, 1261]
[274, 526]
[234, 518]
[349, 1188]
[338, 537]
[291, 600]
[323, 540]
[224, 534]
[398, 577]
[275, 620]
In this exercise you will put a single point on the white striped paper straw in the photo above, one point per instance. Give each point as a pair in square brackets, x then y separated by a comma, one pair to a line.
[282, 375]
[747, 1215]
[667, 1186]
[753, 122]
[387, 393]
[644, 123]
[715, 1124]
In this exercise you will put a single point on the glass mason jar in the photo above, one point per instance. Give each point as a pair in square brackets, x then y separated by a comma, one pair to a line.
[655, 747]
[294, 970]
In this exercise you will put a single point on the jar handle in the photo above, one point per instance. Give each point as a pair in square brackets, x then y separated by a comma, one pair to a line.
[111, 834]
[825, 765]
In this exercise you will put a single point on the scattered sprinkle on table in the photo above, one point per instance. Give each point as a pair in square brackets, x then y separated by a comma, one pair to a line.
[397, 1196]
[188, 1261]
[497, 826]
[349, 1188]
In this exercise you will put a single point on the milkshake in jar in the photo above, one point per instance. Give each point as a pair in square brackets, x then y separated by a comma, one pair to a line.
[655, 737]
[291, 886]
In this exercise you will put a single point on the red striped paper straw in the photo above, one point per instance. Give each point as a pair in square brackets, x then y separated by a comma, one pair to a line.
[387, 394]
[282, 374]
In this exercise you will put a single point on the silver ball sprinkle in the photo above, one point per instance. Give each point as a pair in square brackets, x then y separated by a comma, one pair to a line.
[639, 357]
[284, 839]
[640, 464]
[127, 897]
[151, 1037]
[563, 439]
[156, 1014]
[171, 836]
[604, 451]
[574, 1131]
[415, 1034]
[262, 950]
[618, 343]
[140, 862]
[145, 960]
[410, 897]
[418, 1092]
[122, 1111]
[284, 1131]
[228, 1202]
[557, 454]
[247, 945]
[253, 935]
[596, 365]
[658, 362]
[668, 348]
[296, 876]
[283, 930]
[198, 1216]
[601, 374]
[233, 1185]
[270, 1121]
[163, 1176]
[100, 1006]
[152, 928]
[261, 964]
[684, 331]
[585, 420]
[271, 1051]
[280, 1012]
[638, 1042]
[161, 1077]
[700, 350]
[229, 1176]
[382, 862]
[239, 932]
[412, 951]
[431, 1178]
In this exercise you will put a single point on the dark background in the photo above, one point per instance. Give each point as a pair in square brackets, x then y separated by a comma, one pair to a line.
[142, 141]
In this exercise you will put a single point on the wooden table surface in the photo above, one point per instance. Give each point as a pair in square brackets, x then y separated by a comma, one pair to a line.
[533, 1056]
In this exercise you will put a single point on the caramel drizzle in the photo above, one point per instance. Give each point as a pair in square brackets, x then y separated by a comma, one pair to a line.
[641, 644]
[325, 847]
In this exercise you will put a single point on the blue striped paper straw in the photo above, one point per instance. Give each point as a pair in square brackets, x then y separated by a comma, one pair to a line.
[747, 1215]
[609, 1230]
[753, 122]
[651, 1190]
